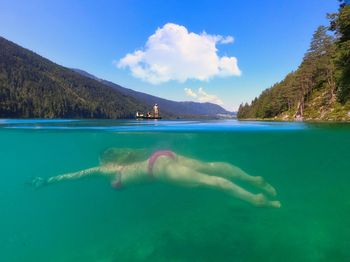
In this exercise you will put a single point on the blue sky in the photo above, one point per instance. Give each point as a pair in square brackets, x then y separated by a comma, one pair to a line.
[270, 38]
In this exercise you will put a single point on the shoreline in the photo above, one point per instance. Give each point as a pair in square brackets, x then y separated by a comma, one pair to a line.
[308, 120]
[181, 119]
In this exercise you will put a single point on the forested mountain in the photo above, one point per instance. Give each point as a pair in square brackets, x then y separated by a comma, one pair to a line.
[320, 88]
[180, 109]
[34, 87]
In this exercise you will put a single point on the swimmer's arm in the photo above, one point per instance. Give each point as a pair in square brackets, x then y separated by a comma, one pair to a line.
[39, 181]
[75, 175]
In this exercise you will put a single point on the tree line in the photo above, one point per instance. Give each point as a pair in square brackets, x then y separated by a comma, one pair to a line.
[320, 85]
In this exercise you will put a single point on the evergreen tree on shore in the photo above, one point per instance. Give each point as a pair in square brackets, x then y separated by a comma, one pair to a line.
[322, 79]
[340, 24]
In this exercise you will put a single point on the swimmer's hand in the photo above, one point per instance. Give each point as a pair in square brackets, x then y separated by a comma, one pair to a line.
[38, 182]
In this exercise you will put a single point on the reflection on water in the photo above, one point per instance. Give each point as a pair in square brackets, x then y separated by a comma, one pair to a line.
[88, 220]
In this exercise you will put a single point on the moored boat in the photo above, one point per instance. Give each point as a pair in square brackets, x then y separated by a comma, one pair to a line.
[153, 115]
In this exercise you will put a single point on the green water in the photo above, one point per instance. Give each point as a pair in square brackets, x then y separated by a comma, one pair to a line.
[87, 220]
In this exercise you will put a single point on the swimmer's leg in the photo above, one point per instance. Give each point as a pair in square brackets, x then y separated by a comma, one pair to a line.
[227, 171]
[189, 177]
[232, 172]
[236, 191]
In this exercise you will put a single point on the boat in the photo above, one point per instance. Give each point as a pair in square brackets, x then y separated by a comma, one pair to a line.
[148, 115]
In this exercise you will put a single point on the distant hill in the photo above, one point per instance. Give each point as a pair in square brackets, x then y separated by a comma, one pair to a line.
[180, 109]
[84, 73]
[32, 86]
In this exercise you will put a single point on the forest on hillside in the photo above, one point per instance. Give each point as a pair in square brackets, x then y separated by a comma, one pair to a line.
[320, 88]
[34, 87]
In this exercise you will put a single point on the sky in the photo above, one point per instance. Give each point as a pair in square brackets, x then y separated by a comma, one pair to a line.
[225, 52]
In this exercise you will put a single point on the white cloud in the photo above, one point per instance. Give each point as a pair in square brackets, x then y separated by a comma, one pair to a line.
[227, 40]
[190, 93]
[202, 96]
[173, 53]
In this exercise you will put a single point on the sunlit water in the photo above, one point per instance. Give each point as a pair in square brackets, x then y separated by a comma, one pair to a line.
[87, 220]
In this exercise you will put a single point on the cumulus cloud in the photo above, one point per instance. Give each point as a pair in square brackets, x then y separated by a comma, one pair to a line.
[190, 93]
[202, 96]
[227, 40]
[174, 53]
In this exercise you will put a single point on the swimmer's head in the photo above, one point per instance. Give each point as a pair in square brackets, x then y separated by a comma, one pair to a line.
[123, 156]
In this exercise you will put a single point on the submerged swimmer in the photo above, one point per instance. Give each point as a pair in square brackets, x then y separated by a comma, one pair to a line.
[126, 167]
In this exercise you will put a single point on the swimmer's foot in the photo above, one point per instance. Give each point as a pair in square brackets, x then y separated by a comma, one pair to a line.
[275, 204]
[261, 183]
[261, 200]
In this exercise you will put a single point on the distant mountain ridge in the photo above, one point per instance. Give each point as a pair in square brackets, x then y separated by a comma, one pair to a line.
[32, 86]
[185, 108]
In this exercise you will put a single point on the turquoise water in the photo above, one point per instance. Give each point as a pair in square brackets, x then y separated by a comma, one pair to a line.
[87, 220]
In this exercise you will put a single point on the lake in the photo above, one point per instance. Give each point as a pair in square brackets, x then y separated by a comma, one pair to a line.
[88, 220]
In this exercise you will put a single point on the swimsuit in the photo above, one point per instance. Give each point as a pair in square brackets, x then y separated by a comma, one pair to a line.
[117, 183]
[152, 160]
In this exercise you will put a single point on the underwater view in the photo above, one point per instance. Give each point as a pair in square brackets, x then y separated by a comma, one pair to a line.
[89, 220]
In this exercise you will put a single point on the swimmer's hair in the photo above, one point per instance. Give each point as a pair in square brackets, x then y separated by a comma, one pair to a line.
[123, 156]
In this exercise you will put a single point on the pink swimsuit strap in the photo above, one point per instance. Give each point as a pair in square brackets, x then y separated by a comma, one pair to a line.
[153, 158]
